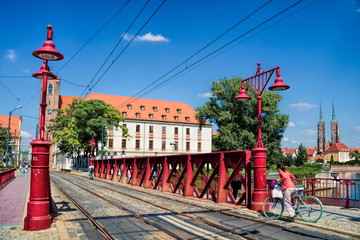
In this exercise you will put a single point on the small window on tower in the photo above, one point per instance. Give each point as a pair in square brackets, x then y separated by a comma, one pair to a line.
[50, 89]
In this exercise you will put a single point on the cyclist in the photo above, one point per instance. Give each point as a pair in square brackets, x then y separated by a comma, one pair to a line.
[288, 187]
[91, 172]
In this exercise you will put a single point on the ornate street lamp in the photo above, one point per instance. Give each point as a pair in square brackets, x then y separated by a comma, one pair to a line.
[258, 84]
[38, 210]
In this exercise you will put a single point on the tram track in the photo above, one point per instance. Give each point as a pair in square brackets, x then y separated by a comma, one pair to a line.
[243, 234]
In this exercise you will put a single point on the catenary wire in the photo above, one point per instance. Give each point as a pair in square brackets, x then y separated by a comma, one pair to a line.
[194, 67]
[117, 57]
[116, 45]
[210, 54]
[101, 28]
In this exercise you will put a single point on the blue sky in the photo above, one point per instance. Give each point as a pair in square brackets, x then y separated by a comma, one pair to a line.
[316, 46]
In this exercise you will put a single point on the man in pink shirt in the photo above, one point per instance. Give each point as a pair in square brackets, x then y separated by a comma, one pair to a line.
[288, 187]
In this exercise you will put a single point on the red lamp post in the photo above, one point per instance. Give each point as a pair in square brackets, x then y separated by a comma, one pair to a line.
[258, 84]
[38, 208]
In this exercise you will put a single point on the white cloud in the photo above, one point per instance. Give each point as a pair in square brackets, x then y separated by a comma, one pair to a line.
[310, 131]
[25, 134]
[357, 128]
[285, 139]
[11, 55]
[205, 95]
[358, 10]
[149, 37]
[301, 107]
[291, 124]
[293, 141]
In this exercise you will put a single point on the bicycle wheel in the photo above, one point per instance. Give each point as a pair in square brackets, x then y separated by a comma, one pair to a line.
[310, 209]
[273, 208]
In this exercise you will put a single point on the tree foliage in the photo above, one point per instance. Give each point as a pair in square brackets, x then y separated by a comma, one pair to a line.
[237, 120]
[300, 156]
[75, 126]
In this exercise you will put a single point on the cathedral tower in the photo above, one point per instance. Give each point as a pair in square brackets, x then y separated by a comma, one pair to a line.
[335, 132]
[321, 133]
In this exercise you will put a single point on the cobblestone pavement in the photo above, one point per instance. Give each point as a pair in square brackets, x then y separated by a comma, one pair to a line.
[71, 224]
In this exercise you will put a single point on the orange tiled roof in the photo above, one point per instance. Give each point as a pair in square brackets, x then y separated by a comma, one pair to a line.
[338, 147]
[355, 149]
[144, 109]
[14, 124]
[320, 156]
[288, 151]
[310, 151]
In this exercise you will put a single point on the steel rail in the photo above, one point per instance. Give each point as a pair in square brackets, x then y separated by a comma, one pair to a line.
[127, 210]
[225, 213]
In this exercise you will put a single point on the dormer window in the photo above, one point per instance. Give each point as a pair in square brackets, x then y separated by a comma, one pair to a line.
[124, 114]
[151, 116]
[176, 118]
[178, 111]
[167, 110]
[187, 119]
[129, 106]
[163, 117]
[137, 115]
[142, 108]
[155, 109]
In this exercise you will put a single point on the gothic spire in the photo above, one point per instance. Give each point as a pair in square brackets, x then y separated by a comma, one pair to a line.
[333, 112]
[321, 115]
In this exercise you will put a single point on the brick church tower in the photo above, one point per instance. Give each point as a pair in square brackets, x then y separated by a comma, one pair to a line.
[335, 131]
[321, 142]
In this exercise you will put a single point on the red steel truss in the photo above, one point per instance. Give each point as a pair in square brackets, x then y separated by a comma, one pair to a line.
[205, 175]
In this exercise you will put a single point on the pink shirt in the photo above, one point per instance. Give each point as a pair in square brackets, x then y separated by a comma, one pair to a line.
[287, 179]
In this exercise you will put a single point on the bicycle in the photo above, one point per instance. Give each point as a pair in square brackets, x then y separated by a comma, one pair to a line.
[309, 208]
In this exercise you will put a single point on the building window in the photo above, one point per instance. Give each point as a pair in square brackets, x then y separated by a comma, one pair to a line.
[137, 128]
[151, 129]
[167, 110]
[199, 132]
[137, 144]
[163, 130]
[187, 146]
[187, 131]
[176, 118]
[137, 115]
[111, 143]
[163, 145]
[199, 146]
[155, 109]
[129, 106]
[176, 130]
[142, 108]
[123, 143]
[178, 111]
[123, 132]
[151, 116]
[163, 117]
[124, 114]
[187, 119]
[111, 127]
[176, 146]
[151, 144]
[50, 89]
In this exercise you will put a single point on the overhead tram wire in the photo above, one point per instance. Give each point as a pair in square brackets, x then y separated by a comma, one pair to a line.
[203, 48]
[101, 28]
[17, 99]
[116, 45]
[189, 69]
[210, 54]
[117, 57]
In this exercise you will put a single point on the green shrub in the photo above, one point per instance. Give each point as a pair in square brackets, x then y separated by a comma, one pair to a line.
[303, 172]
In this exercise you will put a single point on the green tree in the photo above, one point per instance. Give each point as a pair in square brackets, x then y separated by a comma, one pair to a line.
[3, 135]
[300, 156]
[356, 155]
[75, 126]
[237, 120]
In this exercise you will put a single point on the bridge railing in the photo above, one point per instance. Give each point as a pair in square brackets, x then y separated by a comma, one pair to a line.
[205, 175]
[6, 174]
[335, 192]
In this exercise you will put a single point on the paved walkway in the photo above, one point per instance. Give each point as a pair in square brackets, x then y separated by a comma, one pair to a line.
[70, 223]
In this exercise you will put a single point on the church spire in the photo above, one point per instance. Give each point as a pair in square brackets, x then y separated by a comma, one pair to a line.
[333, 112]
[321, 115]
